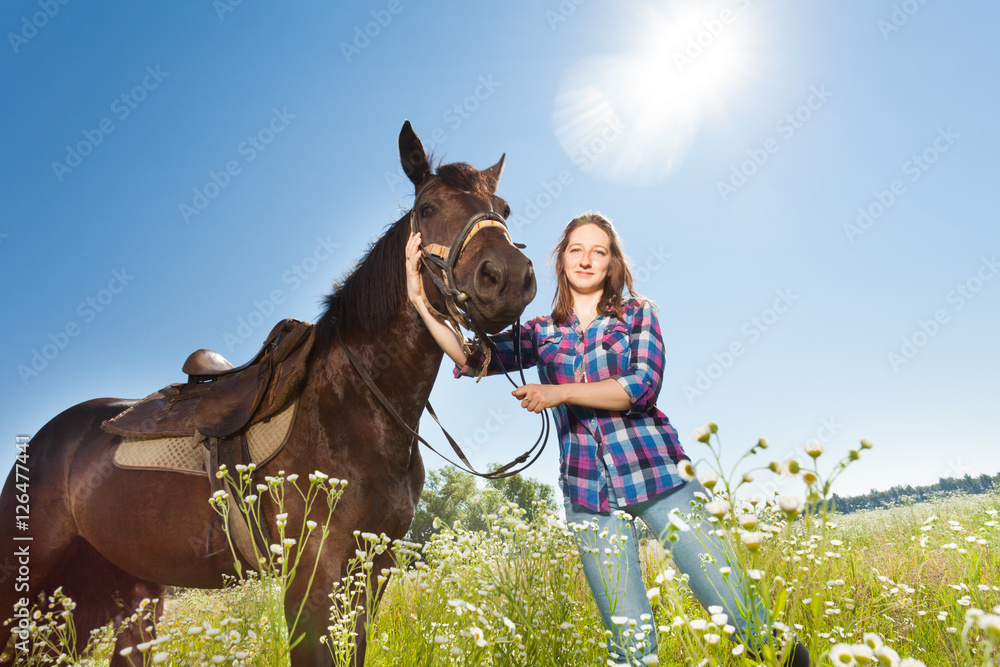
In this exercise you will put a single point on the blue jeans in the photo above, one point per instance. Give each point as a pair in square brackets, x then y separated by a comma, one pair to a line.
[617, 582]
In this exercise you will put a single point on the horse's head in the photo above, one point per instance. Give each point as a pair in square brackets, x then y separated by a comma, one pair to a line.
[472, 261]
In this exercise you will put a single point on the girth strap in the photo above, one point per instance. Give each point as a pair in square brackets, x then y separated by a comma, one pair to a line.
[240, 527]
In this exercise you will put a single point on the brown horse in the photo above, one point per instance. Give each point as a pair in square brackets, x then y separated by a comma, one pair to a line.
[112, 537]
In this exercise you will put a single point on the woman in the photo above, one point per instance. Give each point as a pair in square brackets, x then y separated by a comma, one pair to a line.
[600, 361]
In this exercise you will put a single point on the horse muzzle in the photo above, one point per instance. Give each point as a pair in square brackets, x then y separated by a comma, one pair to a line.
[502, 286]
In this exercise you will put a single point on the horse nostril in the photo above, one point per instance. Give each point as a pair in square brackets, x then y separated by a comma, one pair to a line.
[493, 272]
[489, 280]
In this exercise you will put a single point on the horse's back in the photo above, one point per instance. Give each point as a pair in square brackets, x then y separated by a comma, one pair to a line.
[50, 452]
[40, 473]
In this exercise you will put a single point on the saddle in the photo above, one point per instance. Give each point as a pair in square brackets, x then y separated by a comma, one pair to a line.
[218, 407]
[220, 400]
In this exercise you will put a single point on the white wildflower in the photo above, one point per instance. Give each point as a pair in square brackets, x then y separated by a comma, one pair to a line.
[842, 655]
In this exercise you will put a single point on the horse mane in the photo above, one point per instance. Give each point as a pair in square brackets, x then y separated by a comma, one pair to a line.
[368, 298]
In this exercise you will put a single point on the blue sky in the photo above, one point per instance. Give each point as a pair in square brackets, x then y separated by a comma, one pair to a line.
[806, 190]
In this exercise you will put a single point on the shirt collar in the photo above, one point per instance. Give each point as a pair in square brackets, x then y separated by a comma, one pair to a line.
[574, 322]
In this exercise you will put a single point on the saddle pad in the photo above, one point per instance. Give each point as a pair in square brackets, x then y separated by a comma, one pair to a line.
[185, 455]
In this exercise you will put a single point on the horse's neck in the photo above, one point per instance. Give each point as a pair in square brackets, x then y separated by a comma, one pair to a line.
[402, 361]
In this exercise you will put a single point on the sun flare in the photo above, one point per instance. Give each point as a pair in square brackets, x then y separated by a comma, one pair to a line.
[633, 117]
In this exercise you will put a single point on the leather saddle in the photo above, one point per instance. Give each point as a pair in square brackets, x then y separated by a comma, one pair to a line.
[220, 400]
[216, 407]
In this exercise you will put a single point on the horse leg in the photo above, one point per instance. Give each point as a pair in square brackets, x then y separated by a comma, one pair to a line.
[103, 593]
[28, 565]
[309, 611]
[310, 624]
[366, 601]
[107, 594]
[138, 612]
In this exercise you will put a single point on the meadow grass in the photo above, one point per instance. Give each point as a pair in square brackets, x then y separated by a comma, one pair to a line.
[887, 587]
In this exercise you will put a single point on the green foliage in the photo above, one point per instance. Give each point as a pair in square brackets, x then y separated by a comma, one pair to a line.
[451, 495]
[445, 499]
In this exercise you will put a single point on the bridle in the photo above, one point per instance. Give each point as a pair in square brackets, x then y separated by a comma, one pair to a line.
[456, 302]
[445, 259]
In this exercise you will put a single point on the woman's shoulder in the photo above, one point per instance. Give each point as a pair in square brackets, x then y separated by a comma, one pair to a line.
[541, 323]
[637, 303]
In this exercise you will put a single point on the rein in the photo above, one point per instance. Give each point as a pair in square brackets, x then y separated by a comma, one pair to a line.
[445, 259]
[500, 473]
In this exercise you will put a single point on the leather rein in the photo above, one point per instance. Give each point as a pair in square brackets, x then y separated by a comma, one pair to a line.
[445, 259]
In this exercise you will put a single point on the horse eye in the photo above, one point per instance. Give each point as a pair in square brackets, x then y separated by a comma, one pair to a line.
[506, 211]
[426, 211]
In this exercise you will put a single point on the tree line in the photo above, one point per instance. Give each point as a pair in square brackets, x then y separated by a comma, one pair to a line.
[450, 495]
[905, 495]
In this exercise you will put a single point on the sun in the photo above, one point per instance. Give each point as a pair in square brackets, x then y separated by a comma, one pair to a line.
[633, 117]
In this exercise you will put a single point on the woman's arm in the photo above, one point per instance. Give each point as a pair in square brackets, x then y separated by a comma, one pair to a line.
[604, 395]
[442, 332]
[641, 381]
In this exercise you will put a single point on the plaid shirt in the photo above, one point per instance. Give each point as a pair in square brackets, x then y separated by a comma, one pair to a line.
[638, 447]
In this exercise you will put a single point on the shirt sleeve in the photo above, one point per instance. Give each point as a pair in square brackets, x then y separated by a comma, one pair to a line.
[502, 358]
[645, 371]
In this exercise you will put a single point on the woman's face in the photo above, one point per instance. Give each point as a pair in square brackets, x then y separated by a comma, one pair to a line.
[586, 259]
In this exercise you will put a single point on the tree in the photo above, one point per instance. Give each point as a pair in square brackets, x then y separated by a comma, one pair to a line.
[451, 495]
[445, 497]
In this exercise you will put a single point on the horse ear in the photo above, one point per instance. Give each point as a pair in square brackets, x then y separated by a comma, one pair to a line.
[412, 155]
[493, 173]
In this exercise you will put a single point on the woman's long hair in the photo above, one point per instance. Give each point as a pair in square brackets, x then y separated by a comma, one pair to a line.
[619, 277]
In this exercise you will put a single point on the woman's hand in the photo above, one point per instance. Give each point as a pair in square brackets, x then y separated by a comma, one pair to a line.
[414, 285]
[537, 397]
[447, 338]
[604, 395]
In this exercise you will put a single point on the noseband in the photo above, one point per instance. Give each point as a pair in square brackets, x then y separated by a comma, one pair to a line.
[456, 302]
[446, 258]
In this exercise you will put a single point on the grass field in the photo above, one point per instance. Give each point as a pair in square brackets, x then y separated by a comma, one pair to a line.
[888, 587]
